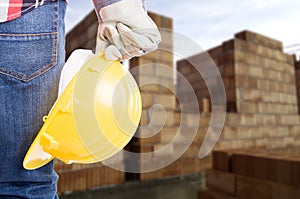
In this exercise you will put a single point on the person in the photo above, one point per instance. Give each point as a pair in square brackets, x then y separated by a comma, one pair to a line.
[32, 54]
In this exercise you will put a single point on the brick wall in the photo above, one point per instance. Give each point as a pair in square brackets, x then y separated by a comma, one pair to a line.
[76, 177]
[260, 85]
[223, 56]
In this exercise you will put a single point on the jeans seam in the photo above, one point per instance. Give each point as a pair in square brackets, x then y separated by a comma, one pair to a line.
[53, 61]
[28, 35]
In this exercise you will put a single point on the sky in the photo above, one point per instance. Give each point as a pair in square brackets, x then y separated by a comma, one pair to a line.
[209, 23]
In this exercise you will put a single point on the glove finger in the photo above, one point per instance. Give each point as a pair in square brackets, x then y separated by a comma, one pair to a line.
[101, 44]
[112, 53]
[136, 43]
[112, 34]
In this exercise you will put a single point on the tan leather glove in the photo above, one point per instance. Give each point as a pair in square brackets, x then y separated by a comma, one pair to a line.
[126, 31]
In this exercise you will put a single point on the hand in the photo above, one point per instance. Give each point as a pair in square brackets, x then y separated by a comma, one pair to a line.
[126, 31]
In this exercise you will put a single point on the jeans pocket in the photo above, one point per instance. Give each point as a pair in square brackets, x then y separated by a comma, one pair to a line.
[26, 56]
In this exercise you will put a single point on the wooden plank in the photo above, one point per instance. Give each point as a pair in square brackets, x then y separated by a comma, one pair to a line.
[221, 181]
[253, 188]
[209, 194]
[222, 160]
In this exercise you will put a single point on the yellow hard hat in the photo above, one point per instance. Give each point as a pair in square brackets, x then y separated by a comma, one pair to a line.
[93, 119]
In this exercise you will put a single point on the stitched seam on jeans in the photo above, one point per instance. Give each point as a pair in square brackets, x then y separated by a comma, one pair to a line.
[53, 61]
[28, 35]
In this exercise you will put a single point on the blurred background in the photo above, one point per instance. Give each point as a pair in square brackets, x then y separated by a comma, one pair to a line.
[255, 46]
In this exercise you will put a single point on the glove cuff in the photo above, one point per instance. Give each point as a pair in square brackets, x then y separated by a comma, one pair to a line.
[99, 4]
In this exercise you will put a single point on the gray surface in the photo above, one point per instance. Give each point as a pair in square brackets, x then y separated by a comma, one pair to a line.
[169, 188]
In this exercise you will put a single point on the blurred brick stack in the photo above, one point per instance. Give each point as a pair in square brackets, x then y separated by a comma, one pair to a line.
[76, 177]
[83, 35]
[154, 73]
[249, 174]
[298, 82]
[262, 107]
[159, 103]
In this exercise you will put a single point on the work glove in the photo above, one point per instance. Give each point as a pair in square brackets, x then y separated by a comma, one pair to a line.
[125, 31]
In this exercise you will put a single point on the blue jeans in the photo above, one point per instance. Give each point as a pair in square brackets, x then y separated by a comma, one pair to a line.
[31, 58]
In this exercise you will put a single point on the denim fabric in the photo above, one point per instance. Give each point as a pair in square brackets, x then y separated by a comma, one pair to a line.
[31, 57]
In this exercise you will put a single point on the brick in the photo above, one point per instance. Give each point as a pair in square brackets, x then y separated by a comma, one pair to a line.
[222, 160]
[294, 130]
[167, 101]
[257, 72]
[146, 80]
[192, 150]
[171, 119]
[150, 175]
[153, 55]
[156, 18]
[229, 133]
[147, 100]
[166, 57]
[169, 134]
[168, 90]
[261, 167]
[205, 195]
[164, 71]
[247, 119]
[221, 181]
[240, 164]
[228, 57]
[241, 68]
[282, 191]
[206, 104]
[158, 116]
[173, 169]
[145, 67]
[288, 119]
[209, 194]
[164, 152]
[145, 148]
[191, 119]
[147, 63]
[166, 40]
[282, 171]
[242, 81]
[167, 22]
[249, 107]
[215, 51]
[189, 165]
[232, 119]
[259, 39]
[185, 68]
[153, 88]
[152, 135]
[167, 83]
[144, 118]
[249, 188]
[204, 164]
